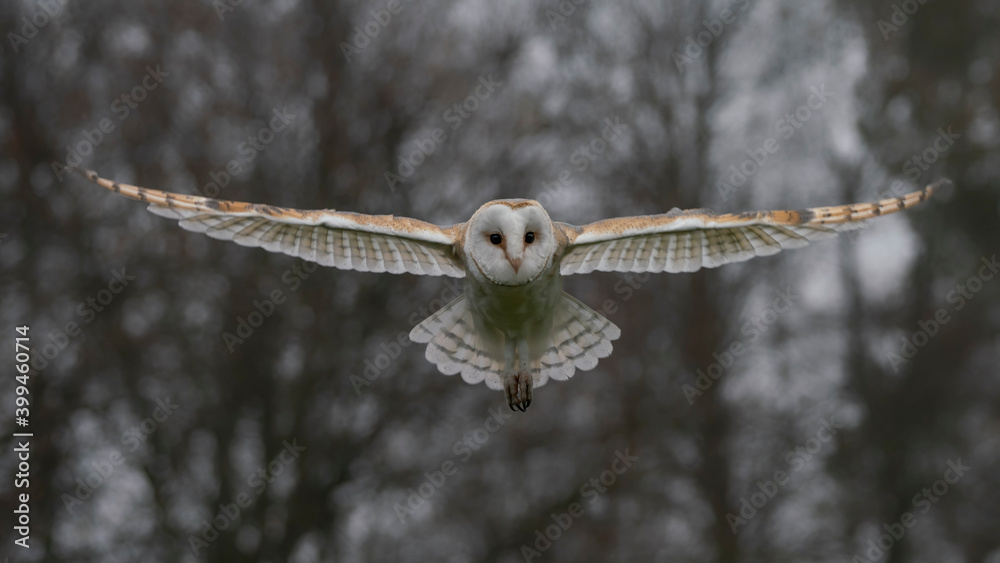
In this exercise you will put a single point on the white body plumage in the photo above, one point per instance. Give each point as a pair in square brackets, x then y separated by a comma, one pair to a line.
[514, 328]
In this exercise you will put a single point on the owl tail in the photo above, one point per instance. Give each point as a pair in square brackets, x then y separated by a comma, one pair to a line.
[579, 337]
[454, 345]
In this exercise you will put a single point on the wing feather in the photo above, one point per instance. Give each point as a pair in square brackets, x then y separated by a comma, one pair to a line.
[686, 241]
[350, 241]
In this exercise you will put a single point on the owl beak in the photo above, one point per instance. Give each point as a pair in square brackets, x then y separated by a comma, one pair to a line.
[514, 263]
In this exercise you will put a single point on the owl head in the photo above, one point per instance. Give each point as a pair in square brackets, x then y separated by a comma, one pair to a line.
[511, 241]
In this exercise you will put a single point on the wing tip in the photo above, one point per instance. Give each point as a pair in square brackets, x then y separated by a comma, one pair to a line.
[943, 187]
[94, 177]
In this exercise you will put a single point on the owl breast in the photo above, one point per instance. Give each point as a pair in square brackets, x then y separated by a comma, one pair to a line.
[515, 311]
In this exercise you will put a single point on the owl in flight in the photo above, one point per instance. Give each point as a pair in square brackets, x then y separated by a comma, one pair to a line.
[514, 328]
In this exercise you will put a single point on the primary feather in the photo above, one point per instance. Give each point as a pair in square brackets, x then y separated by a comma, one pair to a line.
[349, 241]
[686, 241]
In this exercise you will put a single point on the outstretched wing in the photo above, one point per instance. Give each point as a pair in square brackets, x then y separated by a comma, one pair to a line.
[685, 241]
[349, 241]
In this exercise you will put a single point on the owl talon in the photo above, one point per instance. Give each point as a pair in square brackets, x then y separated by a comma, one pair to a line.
[525, 389]
[517, 387]
[510, 389]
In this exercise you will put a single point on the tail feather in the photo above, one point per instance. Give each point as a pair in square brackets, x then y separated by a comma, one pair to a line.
[454, 346]
[579, 338]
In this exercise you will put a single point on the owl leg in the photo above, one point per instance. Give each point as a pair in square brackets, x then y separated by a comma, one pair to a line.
[517, 376]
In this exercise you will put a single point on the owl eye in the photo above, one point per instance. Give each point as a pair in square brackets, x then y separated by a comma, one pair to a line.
[496, 238]
[529, 237]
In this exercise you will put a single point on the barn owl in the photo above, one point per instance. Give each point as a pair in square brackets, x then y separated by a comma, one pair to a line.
[514, 328]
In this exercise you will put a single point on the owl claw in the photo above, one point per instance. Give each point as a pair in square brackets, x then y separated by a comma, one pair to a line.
[517, 387]
[527, 389]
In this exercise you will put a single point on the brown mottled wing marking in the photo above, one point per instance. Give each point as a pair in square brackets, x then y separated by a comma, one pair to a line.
[685, 241]
[350, 241]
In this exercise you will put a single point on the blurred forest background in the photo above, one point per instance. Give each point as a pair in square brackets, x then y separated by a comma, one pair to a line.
[812, 444]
